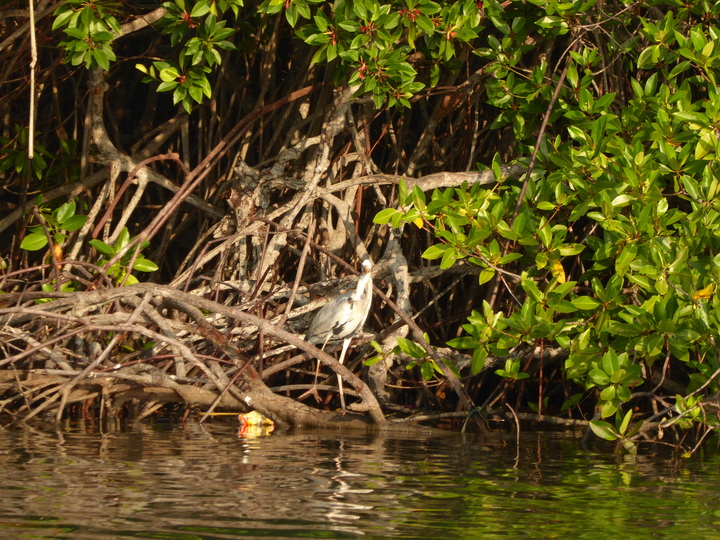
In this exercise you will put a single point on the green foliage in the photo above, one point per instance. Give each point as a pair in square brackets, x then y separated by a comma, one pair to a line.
[690, 410]
[512, 370]
[197, 28]
[293, 9]
[375, 359]
[90, 27]
[612, 252]
[14, 155]
[201, 34]
[418, 355]
[611, 432]
[375, 43]
[614, 374]
[59, 222]
[64, 220]
[187, 85]
[119, 270]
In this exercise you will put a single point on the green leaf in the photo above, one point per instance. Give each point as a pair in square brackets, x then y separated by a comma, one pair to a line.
[649, 57]
[65, 212]
[449, 257]
[384, 216]
[402, 193]
[609, 408]
[585, 302]
[568, 250]
[435, 252]
[604, 430]
[463, 342]
[608, 393]
[532, 289]
[599, 377]
[75, 33]
[102, 247]
[626, 257]
[102, 36]
[562, 306]
[145, 265]
[167, 86]
[478, 360]
[74, 223]
[411, 348]
[169, 74]
[486, 275]
[102, 59]
[427, 371]
[545, 205]
[372, 361]
[610, 362]
[62, 19]
[34, 242]
[622, 200]
[200, 9]
[510, 257]
[545, 234]
[570, 402]
[123, 239]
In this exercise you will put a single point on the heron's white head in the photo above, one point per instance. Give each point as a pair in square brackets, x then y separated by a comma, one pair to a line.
[366, 266]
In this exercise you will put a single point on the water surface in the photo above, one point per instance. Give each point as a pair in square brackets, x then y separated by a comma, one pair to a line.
[175, 481]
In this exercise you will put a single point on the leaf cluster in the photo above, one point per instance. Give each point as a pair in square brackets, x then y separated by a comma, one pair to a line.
[90, 27]
[200, 33]
[377, 44]
[612, 253]
[120, 270]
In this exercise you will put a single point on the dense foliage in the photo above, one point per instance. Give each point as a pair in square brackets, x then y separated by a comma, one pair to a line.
[598, 266]
[613, 252]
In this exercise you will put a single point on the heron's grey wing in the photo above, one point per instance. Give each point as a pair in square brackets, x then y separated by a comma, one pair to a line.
[355, 312]
[346, 323]
[331, 316]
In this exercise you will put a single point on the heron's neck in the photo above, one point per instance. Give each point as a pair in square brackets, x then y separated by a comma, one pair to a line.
[362, 284]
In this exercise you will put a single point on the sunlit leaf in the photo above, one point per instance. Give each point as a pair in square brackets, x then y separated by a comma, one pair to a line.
[557, 270]
[604, 430]
[34, 242]
[705, 292]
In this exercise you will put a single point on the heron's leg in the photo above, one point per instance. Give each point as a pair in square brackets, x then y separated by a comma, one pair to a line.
[317, 366]
[313, 390]
[346, 344]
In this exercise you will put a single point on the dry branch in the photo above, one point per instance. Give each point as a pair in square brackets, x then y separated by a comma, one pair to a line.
[79, 310]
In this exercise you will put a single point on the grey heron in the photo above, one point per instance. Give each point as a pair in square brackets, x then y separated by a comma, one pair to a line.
[342, 317]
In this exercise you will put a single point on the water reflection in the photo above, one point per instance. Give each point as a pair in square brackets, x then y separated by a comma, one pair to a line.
[191, 481]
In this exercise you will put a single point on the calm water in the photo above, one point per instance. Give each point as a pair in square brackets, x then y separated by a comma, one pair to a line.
[203, 482]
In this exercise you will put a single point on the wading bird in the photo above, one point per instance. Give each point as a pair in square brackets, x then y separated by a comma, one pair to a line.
[342, 317]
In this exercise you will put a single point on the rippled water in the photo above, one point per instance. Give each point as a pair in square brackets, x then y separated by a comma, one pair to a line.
[204, 482]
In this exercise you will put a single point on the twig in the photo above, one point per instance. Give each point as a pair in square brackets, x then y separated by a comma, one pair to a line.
[517, 433]
[51, 245]
[298, 275]
[33, 64]
[541, 133]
